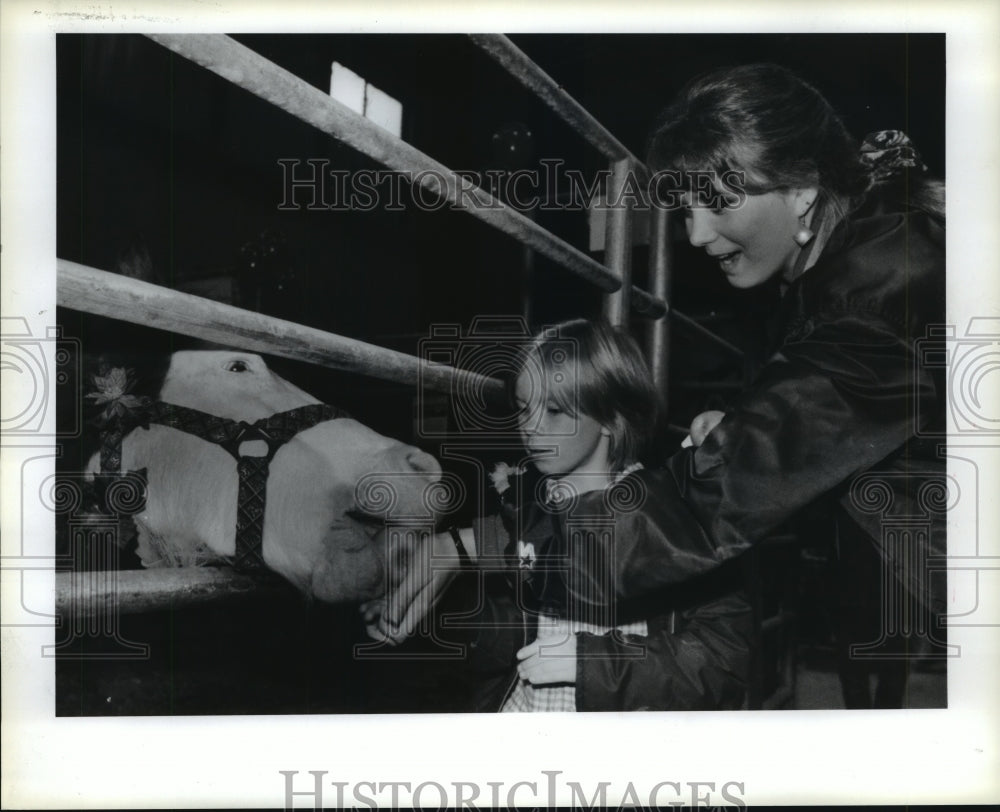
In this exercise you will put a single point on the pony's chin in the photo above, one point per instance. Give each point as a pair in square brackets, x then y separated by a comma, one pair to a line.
[352, 568]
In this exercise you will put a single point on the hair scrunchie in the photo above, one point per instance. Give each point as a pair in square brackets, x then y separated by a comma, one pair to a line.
[887, 153]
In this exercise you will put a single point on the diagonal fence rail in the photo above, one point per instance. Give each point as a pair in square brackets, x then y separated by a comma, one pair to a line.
[254, 73]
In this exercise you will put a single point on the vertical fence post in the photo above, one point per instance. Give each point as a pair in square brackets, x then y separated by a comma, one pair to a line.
[618, 244]
[660, 278]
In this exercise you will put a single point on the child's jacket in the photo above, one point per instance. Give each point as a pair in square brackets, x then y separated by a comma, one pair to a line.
[545, 560]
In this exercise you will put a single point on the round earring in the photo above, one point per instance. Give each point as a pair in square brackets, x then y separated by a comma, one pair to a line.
[803, 236]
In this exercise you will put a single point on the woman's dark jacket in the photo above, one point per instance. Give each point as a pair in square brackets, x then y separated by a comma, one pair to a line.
[851, 405]
[696, 654]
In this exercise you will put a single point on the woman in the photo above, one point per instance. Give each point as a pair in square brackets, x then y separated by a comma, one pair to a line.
[843, 410]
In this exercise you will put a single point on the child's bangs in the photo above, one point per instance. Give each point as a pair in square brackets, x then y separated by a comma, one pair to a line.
[560, 375]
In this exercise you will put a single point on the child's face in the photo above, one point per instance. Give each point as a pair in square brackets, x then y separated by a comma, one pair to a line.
[559, 441]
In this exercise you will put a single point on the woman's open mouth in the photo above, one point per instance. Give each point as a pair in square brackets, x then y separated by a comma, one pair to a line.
[727, 261]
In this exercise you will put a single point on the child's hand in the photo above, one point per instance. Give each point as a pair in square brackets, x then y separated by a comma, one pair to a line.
[701, 426]
[548, 661]
[417, 577]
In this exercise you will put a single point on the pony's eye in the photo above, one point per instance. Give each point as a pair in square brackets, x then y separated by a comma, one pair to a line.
[237, 366]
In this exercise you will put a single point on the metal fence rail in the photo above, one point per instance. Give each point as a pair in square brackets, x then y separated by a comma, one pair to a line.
[708, 335]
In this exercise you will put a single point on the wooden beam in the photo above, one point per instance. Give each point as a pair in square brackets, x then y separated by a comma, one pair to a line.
[89, 594]
[519, 65]
[90, 290]
[660, 275]
[618, 243]
[249, 70]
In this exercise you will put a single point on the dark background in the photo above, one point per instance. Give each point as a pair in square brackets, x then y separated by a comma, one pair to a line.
[163, 164]
[168, 172]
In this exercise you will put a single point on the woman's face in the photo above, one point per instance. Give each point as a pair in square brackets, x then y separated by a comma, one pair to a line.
[751, 242]
[558, 441]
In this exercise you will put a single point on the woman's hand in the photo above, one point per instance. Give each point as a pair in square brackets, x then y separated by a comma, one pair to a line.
[417, 581]
[548, 660]
[701, 426]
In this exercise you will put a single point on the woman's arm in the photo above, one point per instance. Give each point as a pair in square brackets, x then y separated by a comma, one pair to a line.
[830, 405]
[703, 666]
[827, 407]
[695, 657]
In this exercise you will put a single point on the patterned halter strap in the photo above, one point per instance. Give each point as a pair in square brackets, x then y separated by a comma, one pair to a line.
[275, 431]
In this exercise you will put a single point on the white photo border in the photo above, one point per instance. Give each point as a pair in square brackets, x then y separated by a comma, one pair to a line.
[822, 757]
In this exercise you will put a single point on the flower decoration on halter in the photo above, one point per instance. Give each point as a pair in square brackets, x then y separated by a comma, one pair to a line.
[114, 392]
[887, 153]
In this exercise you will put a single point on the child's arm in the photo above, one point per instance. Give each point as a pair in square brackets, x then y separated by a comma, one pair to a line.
[394, 617]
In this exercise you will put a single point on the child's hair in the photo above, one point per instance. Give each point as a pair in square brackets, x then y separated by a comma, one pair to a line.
[598, 370]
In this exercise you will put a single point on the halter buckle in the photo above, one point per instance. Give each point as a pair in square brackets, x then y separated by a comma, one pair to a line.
[247, 432]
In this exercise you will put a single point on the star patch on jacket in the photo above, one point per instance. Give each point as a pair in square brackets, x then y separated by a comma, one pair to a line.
[525, 555]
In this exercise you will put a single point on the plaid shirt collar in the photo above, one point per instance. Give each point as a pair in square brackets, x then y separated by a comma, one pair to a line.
[554, 493]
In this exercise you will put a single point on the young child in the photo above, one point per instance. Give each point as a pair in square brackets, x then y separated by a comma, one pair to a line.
[549, 638]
